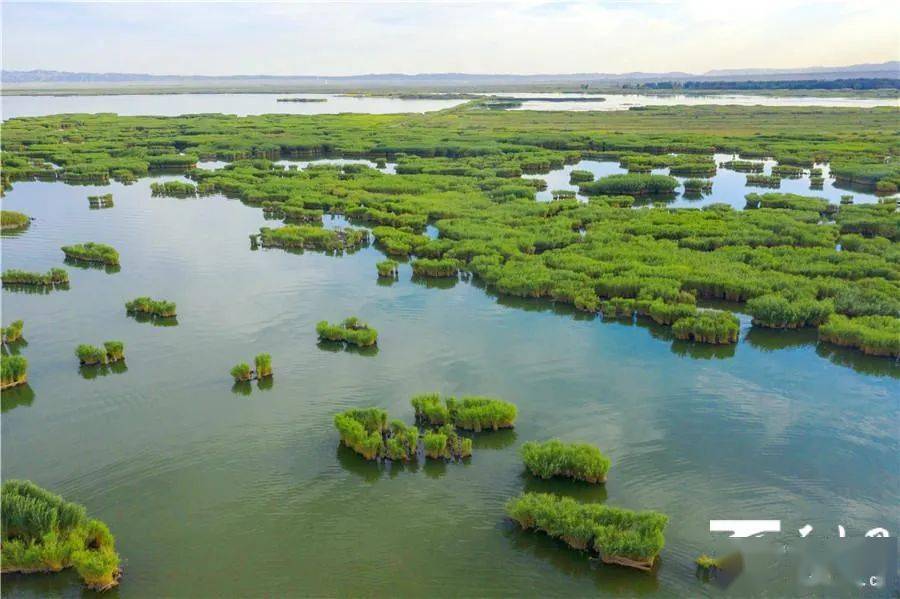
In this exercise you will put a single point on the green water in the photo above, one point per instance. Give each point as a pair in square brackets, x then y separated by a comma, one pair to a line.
[216, 491]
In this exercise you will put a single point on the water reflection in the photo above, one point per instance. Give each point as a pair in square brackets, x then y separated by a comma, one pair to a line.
[88, 265]
[92, 372]
[244, 388]
[14, 397]
[338, 346]
[12, 348]
[579, 490]
[435, 282]
[157, 321]
[499, 439]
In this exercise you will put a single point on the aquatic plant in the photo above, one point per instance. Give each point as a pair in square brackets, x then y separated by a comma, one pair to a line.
[263, 363]
[444, 267]
[350, 330]
[313, 238]
[92, 252]
[481, 413]
[787, 171]
[572, 460]
[101, 201]
[763, 181]
[241, 372]
[446, 444]
[743, 166]
[430, 409]
[41, 532]
[619, 536]
[146, 305]
[632, 184]
[90, 355]
[708, 326]
[53, 278]
[697, 185]
[706, 562]
[115, 351]
[12, 221]
[387, 268]
[174, 189]
[577, 176]
[846, 199]
[13, 332]
[873, 335]
[13, 371]
[401, 442]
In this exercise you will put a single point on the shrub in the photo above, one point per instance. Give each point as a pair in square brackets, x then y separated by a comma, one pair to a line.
[351, 330]
[874, 335]
[777, 312]
[13, 332]
[11, 220]
[430, 410]
[632, 184]
[577, 176]
[763, 181]
[402, 442]
[241, 372]
[92, 252]
[387, 268]
[697, 185]
[446, 444]
[115, 350]
[620, 536]
[263, 364]
[41, 531]
[363, 431]
[53, 277]
[13, 371]
[479, 413]
[573, 460]
[146, 305]
[708, 326]
[90, 355]
[444, 267]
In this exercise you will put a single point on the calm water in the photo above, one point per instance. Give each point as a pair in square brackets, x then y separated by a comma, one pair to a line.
[244, 104]
[216, 491]
[239, 104]
[729, 187]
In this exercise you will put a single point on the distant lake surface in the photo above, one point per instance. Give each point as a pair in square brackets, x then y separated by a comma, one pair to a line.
[214, 490]
[247, 104]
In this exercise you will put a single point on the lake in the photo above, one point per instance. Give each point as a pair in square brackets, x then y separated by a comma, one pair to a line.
[213, 490]
[246, 104]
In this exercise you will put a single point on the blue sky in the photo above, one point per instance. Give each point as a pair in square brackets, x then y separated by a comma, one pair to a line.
[351, 37]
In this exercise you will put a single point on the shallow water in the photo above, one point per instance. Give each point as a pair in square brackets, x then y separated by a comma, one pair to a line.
[246, 104]
[239, 104]
[213, 490]
[729, 187]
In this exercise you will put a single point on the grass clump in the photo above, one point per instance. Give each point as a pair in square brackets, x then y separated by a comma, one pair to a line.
[873, 335]
[115, 351]
[764, 181]
[91, 355]
[241, 372]
[630, 184]
[708, 326]
[619, 536]
[263, 363]
[309, 237]
[443, 267]
[706, 562]
[364, 431]
[446, 444]
[578, 176]
[52, 278]
[778, 312]
[146, 305]
[350, 330]
[13, 371]
[469, 413]
[41, 532]
[697, 185]
[174, 189]
[13, 332]
[430, 409]
[92, 252]
[101, 201]
[387, 269]
[572, 460]
[11, 220]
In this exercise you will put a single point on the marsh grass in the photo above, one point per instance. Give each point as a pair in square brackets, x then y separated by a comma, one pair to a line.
[579, 461]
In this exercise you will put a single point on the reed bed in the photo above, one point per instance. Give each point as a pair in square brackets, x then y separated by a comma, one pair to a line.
[579, 461]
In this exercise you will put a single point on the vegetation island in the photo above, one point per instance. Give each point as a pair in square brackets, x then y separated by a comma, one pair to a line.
[11, 220]
[92, 252]
[351, 330]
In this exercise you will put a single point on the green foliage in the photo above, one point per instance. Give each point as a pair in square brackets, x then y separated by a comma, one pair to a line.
[363, 431]
[697, 185]
[632, 184]
[313, 238]
[481, 413]
[764, 181]
[115, 350]
[706, 562]
[53, 278]
[13, 332]
[619, 536]
[146, 305]
[13, 370]
[778, 312]
[387, 268]
[577, 176]
[241, 372]
[90, 355]
[874, 335]
[92, 252]
[573, 460]
[743, 166]
[445, 267]
[43, 532]
[101, 201]
[708, 326]
[350, 330]
[174, 189]
[11, 220]
[430, 409]
[263, 364]
[446, 444]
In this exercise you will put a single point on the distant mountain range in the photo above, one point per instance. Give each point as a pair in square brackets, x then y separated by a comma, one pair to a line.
[889, 69]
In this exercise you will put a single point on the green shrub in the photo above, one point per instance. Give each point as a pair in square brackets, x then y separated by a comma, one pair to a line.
[146, 305]
[577, 176]
[101, 201]
[708, 326]
[387, 268]
[13, 332]
[632, 184]
[572, 460]
[481, 413]
[310, 237]
[763, 181]
[241, 372]
[263, 364]
[445, 267]
[43, 532]
[363, 431]
[90, 355]
[175, 189]
[351, 330]
[446, 444]
[777, 312]
[13, 371]
[620, 536]
[92, 252]
[115, 350]
[874, 335]
[11, 220]
[53, 277]
[697, 185]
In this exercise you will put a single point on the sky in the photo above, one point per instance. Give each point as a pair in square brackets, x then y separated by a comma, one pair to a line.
[429, 36]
